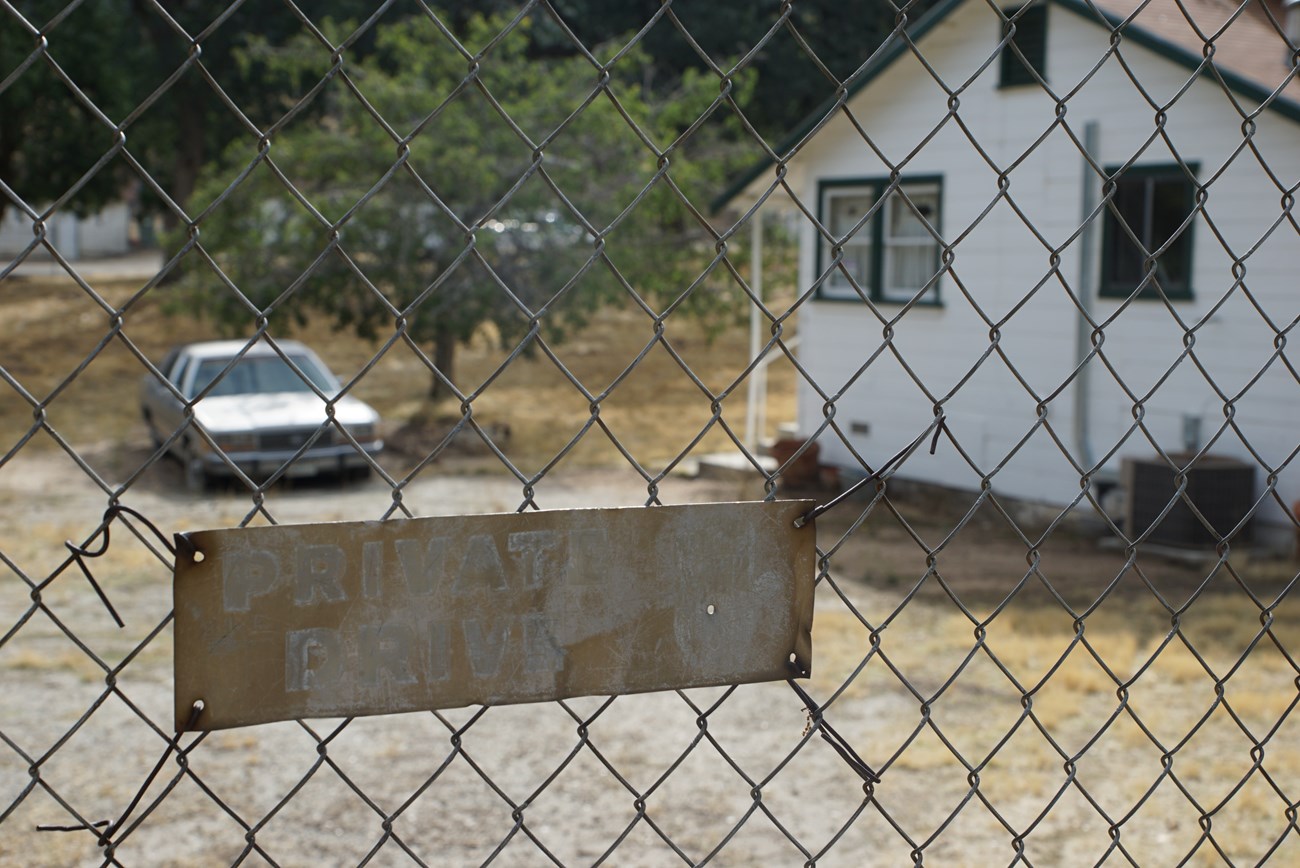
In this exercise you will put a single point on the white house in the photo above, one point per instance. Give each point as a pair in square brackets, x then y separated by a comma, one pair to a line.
[982, 203]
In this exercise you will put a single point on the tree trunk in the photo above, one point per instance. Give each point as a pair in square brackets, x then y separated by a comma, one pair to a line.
[4, 173]
[185, 101]
[10, 141]
[190, 153]
[444, 358]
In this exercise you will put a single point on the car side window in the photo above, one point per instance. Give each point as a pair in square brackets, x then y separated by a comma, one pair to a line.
[169, 368]
[203, 373]
[185, 376]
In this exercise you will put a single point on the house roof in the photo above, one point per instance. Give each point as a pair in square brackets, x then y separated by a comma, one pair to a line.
[1249, 40]
[1248, 44]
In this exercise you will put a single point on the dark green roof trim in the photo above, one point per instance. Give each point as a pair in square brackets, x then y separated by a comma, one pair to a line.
[1246, 87]
[883, 59]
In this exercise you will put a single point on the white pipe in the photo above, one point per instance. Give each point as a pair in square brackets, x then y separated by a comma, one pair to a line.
[756, 386]
[1083, 331]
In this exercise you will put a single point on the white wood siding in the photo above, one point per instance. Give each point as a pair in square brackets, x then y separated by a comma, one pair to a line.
[999, 261]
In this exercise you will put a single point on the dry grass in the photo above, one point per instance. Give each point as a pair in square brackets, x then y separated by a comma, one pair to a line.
[1117, 697]
[64, 659]
[531, 408]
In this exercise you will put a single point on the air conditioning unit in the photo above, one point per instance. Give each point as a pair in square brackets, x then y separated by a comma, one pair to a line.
[1223, 490]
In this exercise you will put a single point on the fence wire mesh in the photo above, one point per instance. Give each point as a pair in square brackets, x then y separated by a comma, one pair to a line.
[572, 253]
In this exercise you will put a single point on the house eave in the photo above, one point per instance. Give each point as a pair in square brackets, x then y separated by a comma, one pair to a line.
[1271, 100]
[892, 49]
[790, 144]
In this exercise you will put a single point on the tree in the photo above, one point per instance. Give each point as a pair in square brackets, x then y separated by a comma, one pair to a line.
[50, 139]
[418, 196]
[132, 64]
[190, 123]
[119, 53]
[788, 82]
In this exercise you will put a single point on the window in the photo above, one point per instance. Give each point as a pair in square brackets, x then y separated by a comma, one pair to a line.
[1150, 205]
[169, 362]
[890, 248]
[255, 375]
[1031, 39]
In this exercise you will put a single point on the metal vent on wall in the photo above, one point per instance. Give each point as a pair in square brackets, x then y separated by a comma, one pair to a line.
[1222, 490]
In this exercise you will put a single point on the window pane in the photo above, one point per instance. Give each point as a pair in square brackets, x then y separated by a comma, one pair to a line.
[259, 375]
[1125, 266]
[911, 251]
[1169, 208]
[1031, 39]
[903, 220]
[910, 266]
[857, 262]
[1152, 204]
[846, 211]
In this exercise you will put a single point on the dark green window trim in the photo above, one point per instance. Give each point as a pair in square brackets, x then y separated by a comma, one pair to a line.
[1016, 70]
[872, 246]
[1153, 201]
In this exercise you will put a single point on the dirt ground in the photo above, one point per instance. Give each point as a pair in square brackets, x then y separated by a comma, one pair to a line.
[1023, 694]
[1016, 741]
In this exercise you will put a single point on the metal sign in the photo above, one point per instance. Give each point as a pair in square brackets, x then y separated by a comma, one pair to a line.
[359, 618]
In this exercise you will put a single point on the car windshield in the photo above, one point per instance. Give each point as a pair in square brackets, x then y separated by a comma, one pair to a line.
[260, 375]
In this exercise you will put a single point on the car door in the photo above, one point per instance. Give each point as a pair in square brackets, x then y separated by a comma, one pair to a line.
[164, 411]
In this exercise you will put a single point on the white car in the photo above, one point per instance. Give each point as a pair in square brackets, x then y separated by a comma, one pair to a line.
[261, 414]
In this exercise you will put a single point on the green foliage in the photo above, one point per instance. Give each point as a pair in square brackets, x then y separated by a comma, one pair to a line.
[119, 54]
[818, 44]
[49, 138]
[414, 192]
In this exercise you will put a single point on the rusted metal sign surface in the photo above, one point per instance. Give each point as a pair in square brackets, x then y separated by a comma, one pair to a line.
[357, 618]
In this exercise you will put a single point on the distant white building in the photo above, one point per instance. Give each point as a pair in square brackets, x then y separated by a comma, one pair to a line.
[112, 231]
[933, 292]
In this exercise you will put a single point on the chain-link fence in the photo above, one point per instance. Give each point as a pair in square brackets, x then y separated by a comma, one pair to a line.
[1009, 289]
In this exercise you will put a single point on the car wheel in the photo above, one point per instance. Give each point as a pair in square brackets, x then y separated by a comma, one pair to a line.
[155, 439]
